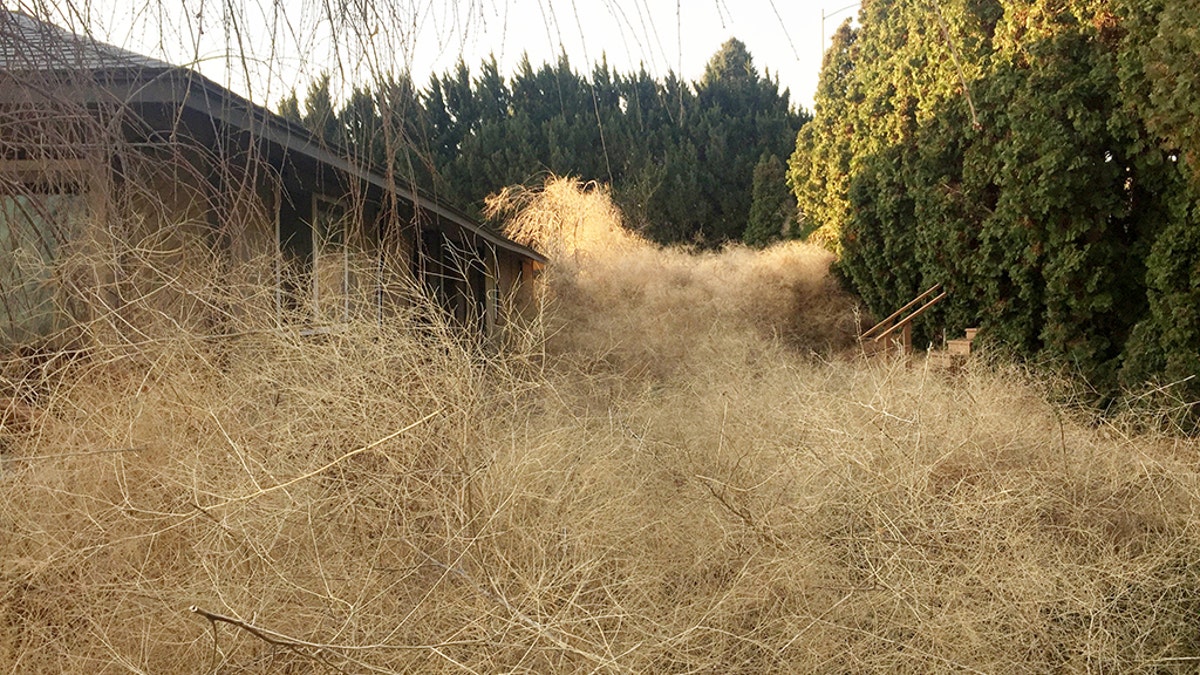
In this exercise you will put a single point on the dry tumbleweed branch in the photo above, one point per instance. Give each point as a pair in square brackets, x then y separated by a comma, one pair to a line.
[674, 470]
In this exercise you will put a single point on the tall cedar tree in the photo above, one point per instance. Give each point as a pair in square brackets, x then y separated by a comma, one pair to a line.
[1033, 157]
[772, 209]
[679, 157]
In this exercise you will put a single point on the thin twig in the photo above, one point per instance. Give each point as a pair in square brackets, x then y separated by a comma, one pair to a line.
[86, 453]
[358, 451]
[270, 637]
[957, 64]
[281, 640]
[743, 514]
[522, 617]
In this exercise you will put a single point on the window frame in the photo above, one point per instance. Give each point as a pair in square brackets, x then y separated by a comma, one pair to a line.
[35, 180]
[342, 227]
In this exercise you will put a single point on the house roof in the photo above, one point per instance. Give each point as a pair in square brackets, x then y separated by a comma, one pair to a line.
[30, 45]
[27, 44]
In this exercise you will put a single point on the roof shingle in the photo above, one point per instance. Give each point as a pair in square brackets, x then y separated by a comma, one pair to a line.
[27, 44]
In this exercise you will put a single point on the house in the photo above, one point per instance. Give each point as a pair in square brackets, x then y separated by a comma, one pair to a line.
[92, 135]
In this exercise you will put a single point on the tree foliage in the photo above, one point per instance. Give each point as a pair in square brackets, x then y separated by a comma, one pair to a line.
[772, 209]
[1033, 156]
[680, 156]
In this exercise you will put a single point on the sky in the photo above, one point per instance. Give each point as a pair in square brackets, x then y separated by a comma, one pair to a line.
[266, 48]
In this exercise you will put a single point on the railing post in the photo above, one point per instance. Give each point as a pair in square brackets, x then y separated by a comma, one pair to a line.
[885, 332]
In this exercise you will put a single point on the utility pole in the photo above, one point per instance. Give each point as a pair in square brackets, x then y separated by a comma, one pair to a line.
[831, 15]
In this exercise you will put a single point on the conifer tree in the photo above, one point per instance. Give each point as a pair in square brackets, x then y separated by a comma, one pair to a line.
[319, 114]
[772, 211]
[1027, 155]
[739, 116]
[679, 156]
[289, 108]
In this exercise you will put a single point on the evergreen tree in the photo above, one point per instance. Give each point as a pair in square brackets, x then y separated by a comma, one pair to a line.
[679, 156]
[362, 127]
[1016, 153]
[289, 108]
[772, 211]
[819, 169]
[402, 136]
[740, 115]
[319, 115]
[1160, 79]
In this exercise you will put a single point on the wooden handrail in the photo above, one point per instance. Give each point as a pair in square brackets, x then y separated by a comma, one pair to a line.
[908, 319]
[886, 324]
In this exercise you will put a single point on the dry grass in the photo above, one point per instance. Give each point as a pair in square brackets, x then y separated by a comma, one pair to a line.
[672, 472]
[615, 297]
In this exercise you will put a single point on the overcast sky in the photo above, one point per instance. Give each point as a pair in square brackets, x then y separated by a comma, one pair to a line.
[285, 43]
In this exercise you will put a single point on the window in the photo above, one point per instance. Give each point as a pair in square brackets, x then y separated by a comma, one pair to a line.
[35, 222]
[331, 271]
[457, 277]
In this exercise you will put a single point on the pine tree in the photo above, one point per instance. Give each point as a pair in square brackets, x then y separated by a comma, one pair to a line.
[361, 125]
[819, 168]
[679, 156]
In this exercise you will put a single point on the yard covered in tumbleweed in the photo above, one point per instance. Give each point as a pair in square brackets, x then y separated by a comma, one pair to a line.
[678, 467]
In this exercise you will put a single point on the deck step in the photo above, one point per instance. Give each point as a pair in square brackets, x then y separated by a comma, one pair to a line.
[944, 360]
[971, 333]
[960, 346]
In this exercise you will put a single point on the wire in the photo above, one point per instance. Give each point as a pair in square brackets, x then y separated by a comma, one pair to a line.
[595, 102]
